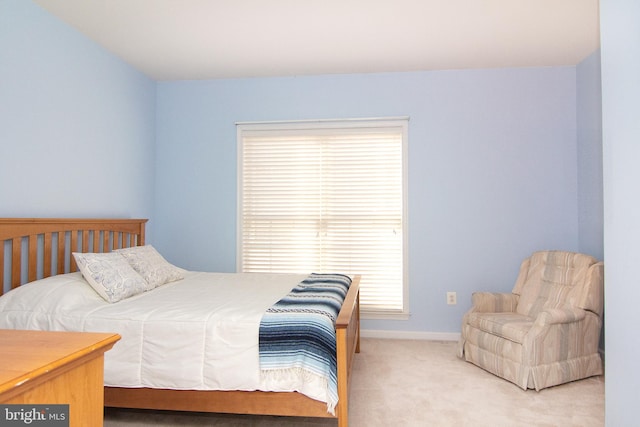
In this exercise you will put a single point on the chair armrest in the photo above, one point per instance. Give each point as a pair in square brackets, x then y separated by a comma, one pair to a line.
[494, 302]
[552, 316]
[553, 330]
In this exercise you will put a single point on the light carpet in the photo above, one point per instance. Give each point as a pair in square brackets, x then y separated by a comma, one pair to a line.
[418, 383]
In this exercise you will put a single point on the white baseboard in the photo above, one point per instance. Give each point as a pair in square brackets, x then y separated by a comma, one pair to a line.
[410, 335]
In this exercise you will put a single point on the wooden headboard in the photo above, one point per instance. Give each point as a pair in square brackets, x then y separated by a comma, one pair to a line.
[35, 248]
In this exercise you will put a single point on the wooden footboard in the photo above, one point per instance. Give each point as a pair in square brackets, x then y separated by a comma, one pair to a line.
[35, 248]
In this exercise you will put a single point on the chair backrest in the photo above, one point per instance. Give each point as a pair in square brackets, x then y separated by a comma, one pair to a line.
[552, 279]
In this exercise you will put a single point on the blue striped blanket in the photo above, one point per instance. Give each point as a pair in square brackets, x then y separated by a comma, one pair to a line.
[297, 334]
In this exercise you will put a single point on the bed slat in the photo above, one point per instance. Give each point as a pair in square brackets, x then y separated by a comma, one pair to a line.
[74, 248]
[46, 268]
[60, 248]
[16, 262]
[32, 261]
[105, 241]
[85, 241]
[96, 240]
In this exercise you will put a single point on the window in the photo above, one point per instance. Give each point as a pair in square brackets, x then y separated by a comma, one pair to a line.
[327, 196]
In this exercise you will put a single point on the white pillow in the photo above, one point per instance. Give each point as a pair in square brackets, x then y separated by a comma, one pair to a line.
[110, 275]
[151, 265]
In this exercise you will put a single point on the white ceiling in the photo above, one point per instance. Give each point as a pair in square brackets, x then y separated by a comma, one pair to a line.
[207, 39]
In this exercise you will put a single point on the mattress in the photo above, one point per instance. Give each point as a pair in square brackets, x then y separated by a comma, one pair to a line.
[199, 333]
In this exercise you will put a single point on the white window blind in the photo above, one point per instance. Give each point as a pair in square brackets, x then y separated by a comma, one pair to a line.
[326, 197]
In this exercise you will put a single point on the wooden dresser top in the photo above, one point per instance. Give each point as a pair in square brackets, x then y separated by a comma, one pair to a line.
[28, 357]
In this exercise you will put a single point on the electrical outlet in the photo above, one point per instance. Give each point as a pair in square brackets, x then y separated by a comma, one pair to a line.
[452, 298]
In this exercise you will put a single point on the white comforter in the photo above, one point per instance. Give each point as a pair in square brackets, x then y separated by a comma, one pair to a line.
[200, 333]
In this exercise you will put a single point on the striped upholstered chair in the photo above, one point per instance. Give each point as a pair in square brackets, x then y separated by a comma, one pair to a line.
[546, 332]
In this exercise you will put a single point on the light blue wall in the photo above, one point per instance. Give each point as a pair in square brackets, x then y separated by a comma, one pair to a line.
[589, 115]
[493, 173]
[492, 170]
[620, 36]
[77, 125]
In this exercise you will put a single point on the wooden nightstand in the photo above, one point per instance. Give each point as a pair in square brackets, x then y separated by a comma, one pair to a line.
[41, 367]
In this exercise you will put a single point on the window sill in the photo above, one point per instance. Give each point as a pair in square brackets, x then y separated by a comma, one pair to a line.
[384, 315]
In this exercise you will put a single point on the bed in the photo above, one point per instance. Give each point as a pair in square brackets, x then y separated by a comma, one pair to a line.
[33, 249]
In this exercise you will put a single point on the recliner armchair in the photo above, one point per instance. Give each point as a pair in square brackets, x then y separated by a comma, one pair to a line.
[547, 331]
